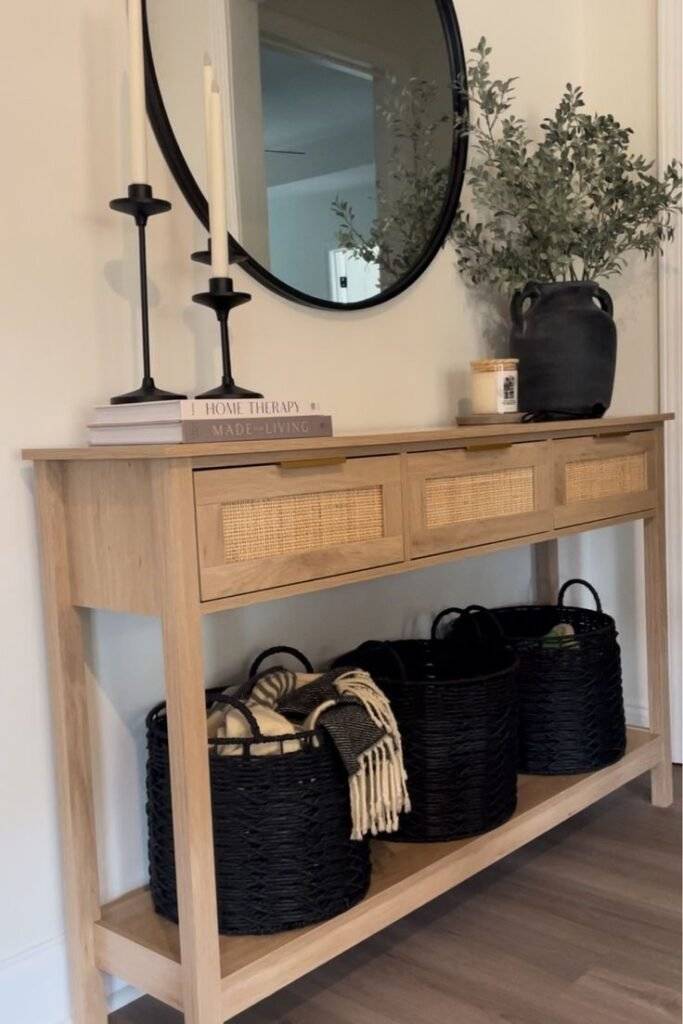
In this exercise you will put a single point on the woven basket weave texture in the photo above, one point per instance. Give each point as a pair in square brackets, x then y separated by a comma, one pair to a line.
[281, 823]
[478, 496]
[475, 496]
[571, 701]
[283, 525]
[458, 720]
[603, 478]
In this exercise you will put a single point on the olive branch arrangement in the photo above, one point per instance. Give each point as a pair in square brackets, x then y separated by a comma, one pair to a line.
[568, 207]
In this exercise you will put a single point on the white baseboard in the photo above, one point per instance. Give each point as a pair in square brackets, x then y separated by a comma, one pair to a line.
[637, 714]
[34, 987]
[121, 995]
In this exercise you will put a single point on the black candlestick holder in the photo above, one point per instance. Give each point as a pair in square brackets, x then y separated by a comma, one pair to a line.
[141, 205]
[236, 253]
[222, 298]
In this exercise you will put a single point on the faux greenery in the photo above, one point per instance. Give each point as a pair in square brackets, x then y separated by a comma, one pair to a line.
[411, 198]
[567, 207]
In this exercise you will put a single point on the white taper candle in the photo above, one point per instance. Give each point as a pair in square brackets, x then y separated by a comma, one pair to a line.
[217, 196]
[136, 92]
[209, 79]
[208, 89]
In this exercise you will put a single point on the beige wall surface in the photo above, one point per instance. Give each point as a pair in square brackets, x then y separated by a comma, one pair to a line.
[69, 322]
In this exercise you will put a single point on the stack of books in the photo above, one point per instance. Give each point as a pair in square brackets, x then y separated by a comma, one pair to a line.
[201, 420]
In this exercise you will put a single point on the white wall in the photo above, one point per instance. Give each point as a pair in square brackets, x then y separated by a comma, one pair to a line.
[68, 294]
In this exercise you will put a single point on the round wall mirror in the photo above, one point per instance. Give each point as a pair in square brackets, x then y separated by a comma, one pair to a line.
[345, 168]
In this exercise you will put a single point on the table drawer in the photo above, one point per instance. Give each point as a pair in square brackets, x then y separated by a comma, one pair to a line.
[603, 476]
[479, 495]
[260, 527]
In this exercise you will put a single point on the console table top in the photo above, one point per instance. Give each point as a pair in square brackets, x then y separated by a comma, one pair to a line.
[407, 439]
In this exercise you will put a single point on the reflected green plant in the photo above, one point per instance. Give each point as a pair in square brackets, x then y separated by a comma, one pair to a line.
[411, 198]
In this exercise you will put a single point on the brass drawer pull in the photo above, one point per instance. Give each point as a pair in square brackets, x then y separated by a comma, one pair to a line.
[334, 460]
[487, 447]
[613, 437]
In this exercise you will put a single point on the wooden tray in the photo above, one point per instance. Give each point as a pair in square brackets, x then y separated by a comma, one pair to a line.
[490, 417]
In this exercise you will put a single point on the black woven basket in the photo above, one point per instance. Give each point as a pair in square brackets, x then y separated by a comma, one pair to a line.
[457, 713]
[281, 826]
[571, 702]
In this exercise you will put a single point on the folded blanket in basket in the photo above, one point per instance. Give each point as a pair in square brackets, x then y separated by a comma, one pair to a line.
[358, 719]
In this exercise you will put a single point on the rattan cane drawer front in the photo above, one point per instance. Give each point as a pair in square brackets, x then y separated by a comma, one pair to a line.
[463, 498]
[262, 527]
[605, 476]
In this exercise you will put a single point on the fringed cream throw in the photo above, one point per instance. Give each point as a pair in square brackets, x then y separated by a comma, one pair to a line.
[358, 719]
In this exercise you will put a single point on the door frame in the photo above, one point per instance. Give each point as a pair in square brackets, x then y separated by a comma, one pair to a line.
[670, 114]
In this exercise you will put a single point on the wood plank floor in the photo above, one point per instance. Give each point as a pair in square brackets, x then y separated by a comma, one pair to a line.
[583, 926]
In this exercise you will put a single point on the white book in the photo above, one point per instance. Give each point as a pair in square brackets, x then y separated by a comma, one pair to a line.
[178, 410]
[135, 433]
[257, 428]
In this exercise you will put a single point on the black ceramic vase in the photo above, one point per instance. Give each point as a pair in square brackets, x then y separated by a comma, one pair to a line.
[566, 341]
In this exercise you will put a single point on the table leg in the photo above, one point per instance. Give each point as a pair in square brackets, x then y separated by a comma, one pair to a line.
[656, 626]
[188, 749]
[546, 571]
[69, 682]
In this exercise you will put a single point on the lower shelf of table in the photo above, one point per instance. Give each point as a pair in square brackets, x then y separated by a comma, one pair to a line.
[135, 944]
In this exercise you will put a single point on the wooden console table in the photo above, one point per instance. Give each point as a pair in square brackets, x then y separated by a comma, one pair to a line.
[184, 531]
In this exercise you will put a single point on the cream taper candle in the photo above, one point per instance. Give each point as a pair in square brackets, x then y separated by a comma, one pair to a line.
[209, 79]
[218, 216]
[208, 90]
[136, 93]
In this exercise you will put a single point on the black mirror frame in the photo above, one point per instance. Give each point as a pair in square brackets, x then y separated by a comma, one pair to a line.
[187, 183]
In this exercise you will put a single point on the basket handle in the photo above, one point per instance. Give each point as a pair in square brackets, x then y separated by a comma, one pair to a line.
[385, 647]
[468, 611]
[292, 651]
[440, 617]
[584, 583]
[488, 614]
[244, 709]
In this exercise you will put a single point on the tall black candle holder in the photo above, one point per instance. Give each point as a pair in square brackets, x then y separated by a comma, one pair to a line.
[236, 253]
[141, 205]
[222, 298]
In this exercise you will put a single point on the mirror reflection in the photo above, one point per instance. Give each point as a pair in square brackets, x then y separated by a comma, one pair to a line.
[340, 135]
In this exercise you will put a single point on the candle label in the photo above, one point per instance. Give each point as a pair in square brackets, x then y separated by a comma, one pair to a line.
[506, 391]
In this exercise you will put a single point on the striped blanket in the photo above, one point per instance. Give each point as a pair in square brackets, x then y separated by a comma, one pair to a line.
[354, 713]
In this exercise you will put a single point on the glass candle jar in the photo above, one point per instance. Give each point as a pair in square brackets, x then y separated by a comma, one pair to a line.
[493, 386]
